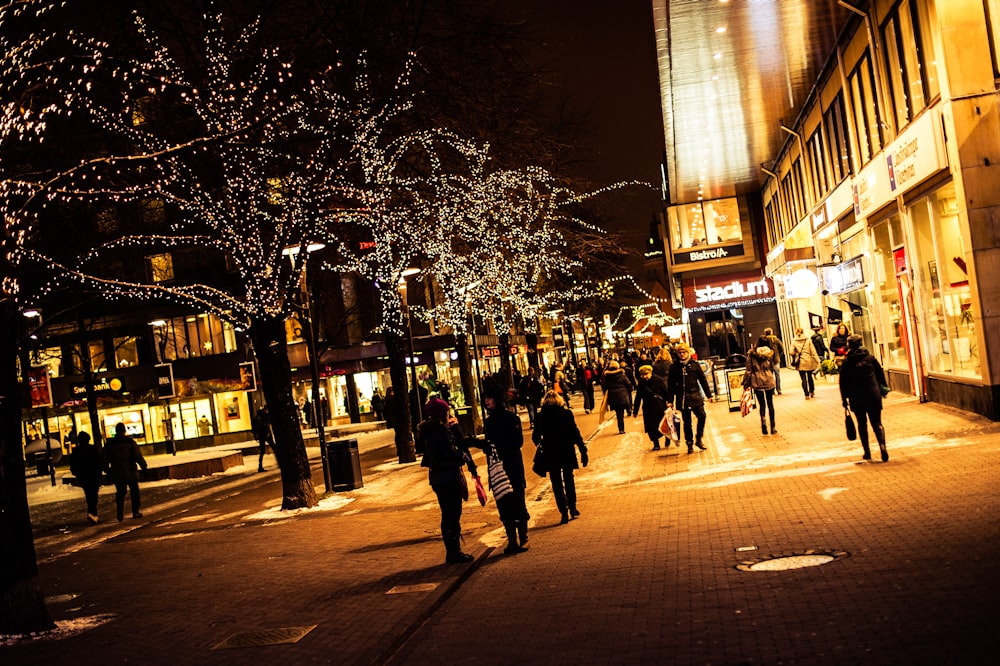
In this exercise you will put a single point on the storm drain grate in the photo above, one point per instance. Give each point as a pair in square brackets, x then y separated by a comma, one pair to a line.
[809, 558]
[417, 587]
[264, 637]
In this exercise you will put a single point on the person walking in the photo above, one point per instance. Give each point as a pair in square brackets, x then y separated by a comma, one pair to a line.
[378, 404]
[588, 376]
[86, 467]
[262, 433]
[121, 456]
[618, 392]
[531, 391]
[651, 396]
[769, 339]
[838, 343]
[685, 385]
[661, 366]
[503, 438]
[559, 382]
[760, 378]
[805, 359]
[446, 451]
[861, 382]
[557, 434]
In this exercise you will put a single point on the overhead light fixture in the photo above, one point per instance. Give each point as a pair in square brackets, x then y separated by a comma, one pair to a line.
[156, 323]
[721, 29]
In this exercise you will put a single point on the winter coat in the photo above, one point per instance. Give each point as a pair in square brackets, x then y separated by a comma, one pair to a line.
[838, 344]
[803, 348]
[85, 464]
[760, 369]
[682, 384]
[121, 455]
[531, 390]
[502, 433]
[661, 368]
[651, 395]
[618, 388]
[820, 345]
[861, 377]
[558, 435]
[777, 348]
[445, 451]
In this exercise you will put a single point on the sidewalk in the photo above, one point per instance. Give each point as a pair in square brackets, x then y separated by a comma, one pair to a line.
[648, 574]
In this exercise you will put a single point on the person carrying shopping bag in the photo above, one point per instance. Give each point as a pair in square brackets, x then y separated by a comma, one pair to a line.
[651, 396]
[685, 385]
[761, 365]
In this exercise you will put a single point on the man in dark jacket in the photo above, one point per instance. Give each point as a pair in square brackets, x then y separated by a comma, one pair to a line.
[861, 382]
[85, 464]
[531, 391]
[683, 381]
[502, 434]
[262, 433]
[121, 456]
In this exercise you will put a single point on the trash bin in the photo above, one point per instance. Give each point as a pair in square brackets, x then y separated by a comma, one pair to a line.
[466, 420]
[345, 464]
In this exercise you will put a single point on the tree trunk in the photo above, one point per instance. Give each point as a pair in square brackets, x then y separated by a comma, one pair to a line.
[395, 349]
[468, 383]
[268, 335]
[96, 436]
[506, 374]
[22, 605]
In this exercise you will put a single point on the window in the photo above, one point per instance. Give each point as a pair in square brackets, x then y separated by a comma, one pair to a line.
[107, 221]
[160, 267]
[709, 223]
[788, 194]
[193, 336]
[835, 127]
[867, 123]
[126, 352]
[912, 76]
[888, 261]
[154, 212]
[942, 276]
[95, 349]
[819, 166]
[799, 187]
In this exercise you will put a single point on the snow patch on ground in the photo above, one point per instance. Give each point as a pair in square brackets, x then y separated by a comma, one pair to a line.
[326, 504]
[64, 629]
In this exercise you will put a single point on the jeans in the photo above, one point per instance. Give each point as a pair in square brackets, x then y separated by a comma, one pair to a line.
[808, 383]
[620, 414]
[532, 410]
[875, 417]
[450, 500]
[565, 497]
[133, 490]
[699, 412]
[765, 402]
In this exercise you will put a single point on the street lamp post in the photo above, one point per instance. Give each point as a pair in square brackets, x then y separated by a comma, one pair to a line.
[309, 333]
[414, 399]
[37, 316]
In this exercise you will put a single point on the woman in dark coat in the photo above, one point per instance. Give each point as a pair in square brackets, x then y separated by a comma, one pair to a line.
[445, 452]
[557, 434]
[838, 343]
[651, 395]
[618, 390]
[502, 434]
[686, 376]
[861, 382]
[86, 466]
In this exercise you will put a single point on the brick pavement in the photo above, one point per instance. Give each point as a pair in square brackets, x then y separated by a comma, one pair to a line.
[646, 575]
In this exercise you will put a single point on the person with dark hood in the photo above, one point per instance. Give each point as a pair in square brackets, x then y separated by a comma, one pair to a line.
[262, 433]
[85, 464]
[685, 385]
[558, 435]
[503, 437]
[618, 393]
[121, 457]
[761, 368]
[445, 452]
[651, 396]
[861, 382]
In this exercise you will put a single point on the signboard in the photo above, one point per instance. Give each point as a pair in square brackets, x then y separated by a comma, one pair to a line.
[101, 385]
[40, 385]
[164, 380]
[734, 379]
[722, 292]
[248, 377]
[699, 254]
[558, 339]
[844, 277]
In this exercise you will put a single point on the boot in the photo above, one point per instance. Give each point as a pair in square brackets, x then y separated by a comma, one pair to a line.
[564, 519]
[522, 534]
[512, 547]
[880, 436]
[454, 549]
[868, 452]
[774, 431]
[690, 447]
[699, 444]
[763, 427]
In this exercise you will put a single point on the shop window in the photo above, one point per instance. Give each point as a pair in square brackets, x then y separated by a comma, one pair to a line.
[943, 286]
[193, 336]
[95, 349]
[893, 336]
[160, 267]
[709, 223]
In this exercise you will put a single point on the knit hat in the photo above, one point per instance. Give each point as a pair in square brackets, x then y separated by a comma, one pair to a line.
[496, 392]
[437, 408]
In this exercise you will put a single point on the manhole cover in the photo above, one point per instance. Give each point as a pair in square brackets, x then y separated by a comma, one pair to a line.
[263, 637]
[809, 558]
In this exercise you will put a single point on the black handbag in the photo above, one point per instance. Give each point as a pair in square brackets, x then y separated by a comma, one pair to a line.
[539, 465]
[852, 431]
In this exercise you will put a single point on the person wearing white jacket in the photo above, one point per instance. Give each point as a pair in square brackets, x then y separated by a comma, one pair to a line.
[806, 360]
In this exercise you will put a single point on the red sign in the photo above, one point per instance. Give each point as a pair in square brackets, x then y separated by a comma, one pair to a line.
[40, 385]
[490, 352]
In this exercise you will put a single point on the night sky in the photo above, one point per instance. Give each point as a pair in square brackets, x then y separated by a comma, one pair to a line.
[603, 54]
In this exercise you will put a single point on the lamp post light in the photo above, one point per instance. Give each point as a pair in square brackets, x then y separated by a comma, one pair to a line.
[414, 400]
[309, 333]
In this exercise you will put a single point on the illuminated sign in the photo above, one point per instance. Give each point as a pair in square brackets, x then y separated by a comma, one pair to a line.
[727, 291]
[732, 291]
[101, 385]
[696, 255]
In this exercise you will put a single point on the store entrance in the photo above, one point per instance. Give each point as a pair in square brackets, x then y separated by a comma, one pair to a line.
[726, 333]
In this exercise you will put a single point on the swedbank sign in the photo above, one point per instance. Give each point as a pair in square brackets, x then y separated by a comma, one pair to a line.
[727, 291]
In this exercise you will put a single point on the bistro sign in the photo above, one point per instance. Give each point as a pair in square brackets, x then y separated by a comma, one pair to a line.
[696, 255]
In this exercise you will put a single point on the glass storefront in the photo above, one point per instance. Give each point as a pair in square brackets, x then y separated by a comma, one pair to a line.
[941, 274]
[892, 288]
